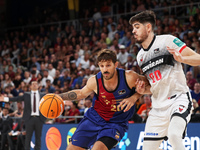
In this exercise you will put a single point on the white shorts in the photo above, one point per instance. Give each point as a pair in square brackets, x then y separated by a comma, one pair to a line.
[158, 120]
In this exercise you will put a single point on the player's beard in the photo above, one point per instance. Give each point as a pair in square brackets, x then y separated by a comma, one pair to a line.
[109, 77]
[143, 37]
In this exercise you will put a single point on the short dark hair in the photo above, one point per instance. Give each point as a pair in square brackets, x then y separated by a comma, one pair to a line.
[105, 55]
[144, 17]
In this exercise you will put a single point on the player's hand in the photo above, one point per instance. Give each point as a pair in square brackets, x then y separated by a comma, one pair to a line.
[128, 103]
[140, 86]
[177, 56]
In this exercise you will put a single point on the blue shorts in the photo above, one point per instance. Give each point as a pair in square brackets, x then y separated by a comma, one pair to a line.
[88, 132]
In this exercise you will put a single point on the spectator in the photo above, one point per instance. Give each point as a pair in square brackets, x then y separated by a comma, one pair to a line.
[196, 92]
[45, 77]
[51, 70]
[64, 78]
[5, 127]
[123, 55]
[17, 81]
[10, 111]
[19, 132]
[34, 62]
[96, 14]
[7, 80]
[88, 104]
[49, 88]
[56, 79]
[190, 80]
[130, 62]
[10, 72]
[145, 108]
[85, 62]
[27, 77]
[81, 75]
[195, 117]
[126, 40]
[33, 76]
[73, 111]
[112, 33]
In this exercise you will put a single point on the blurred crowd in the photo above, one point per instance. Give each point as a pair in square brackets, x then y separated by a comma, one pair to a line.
[63, 58]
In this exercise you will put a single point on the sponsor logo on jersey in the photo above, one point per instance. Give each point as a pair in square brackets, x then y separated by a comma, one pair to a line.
[157, 50]
[141, 59]
[159, 60]
[117, 135]
[153, 64]
[121, 92]
[178, 42]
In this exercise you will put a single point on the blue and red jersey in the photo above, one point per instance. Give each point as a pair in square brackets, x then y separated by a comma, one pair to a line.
[104, 105]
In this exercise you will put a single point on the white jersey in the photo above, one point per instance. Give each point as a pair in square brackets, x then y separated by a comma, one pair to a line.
[164, 73]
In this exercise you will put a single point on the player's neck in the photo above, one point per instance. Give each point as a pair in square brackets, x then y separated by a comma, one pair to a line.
[148, 41]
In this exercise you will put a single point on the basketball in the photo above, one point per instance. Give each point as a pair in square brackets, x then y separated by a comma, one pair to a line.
[53, 139]
[51, 106]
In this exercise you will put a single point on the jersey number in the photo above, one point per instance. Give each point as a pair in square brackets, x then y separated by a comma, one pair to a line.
[156, 76]
[115, 108]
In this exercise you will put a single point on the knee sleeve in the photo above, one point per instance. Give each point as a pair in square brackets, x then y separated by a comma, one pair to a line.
[176, 130]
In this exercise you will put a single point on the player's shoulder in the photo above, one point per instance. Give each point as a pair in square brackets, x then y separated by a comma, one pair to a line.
[164, 36]
[92, 81]
[131, 75]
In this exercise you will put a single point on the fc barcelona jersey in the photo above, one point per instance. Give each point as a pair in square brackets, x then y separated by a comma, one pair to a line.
[104, 105]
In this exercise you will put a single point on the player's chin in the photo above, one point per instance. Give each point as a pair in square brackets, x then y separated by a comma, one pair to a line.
[107, 77]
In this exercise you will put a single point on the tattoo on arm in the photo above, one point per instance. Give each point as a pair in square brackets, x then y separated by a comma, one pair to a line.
[69, 96]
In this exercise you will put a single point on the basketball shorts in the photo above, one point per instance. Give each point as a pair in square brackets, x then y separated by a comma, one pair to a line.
[88, 132]
[158, 120]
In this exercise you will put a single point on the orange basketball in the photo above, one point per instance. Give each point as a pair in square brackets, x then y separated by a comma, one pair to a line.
[51, 106]
[53, 139]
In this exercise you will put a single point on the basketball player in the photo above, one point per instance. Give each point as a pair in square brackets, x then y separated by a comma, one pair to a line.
[105, 123]
[160, 59]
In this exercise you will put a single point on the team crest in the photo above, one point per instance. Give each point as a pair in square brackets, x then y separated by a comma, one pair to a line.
[157, 50]
[103, 96]
[181, 107]
[121, 92]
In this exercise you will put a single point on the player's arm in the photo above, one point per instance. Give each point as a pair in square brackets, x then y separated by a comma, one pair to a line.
[79, 94]
[132, 78]
[187, 56]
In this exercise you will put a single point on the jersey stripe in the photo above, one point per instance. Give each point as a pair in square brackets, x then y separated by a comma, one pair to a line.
[182, 48]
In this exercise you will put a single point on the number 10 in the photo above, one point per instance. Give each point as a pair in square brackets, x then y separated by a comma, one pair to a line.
[156, 76]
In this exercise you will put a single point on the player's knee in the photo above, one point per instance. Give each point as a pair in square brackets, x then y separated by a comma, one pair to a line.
[174, 137]
[151, 145]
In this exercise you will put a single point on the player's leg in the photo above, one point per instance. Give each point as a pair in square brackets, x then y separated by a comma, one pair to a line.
[181, 110]
[175, 132]
[104, 143]
[155, 130]
[84, 136]
[151, 145]
[73, 147]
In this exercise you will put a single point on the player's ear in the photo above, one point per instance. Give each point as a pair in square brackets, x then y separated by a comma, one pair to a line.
[149, 27]
[116, 64]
